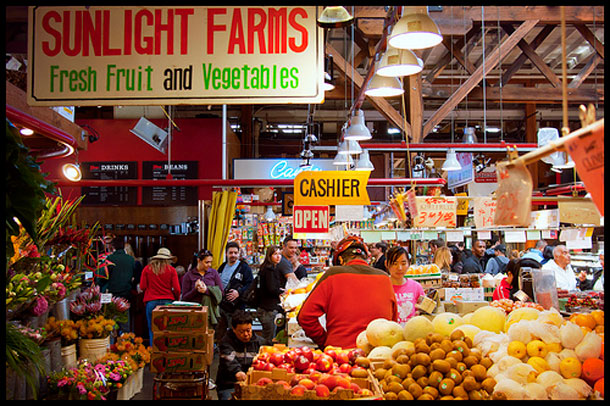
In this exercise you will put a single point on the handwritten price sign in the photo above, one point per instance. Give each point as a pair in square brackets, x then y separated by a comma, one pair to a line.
[484, 212]
[435, 211]
[514, 195]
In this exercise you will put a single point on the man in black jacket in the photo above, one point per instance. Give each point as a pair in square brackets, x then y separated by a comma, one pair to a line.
[474, 263]
[236, 277]
[238, 348]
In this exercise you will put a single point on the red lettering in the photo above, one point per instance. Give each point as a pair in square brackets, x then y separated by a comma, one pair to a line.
[46, 25]
[107, 49]
[259, 29]
[128, 32]
[294, 24]
[92, 32]
[77, 38]
[277, 31]
[168, 28]
[236, 37]
[184, 32]
[144, 45]
[174, 320]
[213, 27]
[176, 362]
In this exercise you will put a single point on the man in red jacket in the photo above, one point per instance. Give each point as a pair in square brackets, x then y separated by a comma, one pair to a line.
[351, 295]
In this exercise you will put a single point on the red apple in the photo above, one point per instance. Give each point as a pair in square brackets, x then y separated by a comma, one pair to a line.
[301, 363]
[308, 383]
[263, 381]
[322, 391]
[286, 366]
[309, 371]
[316, 355]
[331, 353]
[345, 368]
[366, 392]
[324, 363]
[298, 390]
[263, 357]
[295, 379]
[342, 358]
[268, 366]
[354, 387]
[330, 381]
[343, 382]
[259, 365]
[290, 356]
[315, 376]
[355, 353]
[277, 358]
[285, 384]
[307, 353]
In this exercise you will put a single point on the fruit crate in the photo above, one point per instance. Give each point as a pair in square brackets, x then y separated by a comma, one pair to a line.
[180, 318]
[169, 341]
[181, 386]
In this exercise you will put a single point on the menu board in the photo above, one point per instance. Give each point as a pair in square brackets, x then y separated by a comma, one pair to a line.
[113, 195]
[169, 195]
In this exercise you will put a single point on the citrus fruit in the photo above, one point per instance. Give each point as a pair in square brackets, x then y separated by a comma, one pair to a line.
[598, 316]
[599, 386]
[593, 369]
[585, 320]
[539, 364]
[516, 349]
[570, 368]
[554, 347]
[536, 348]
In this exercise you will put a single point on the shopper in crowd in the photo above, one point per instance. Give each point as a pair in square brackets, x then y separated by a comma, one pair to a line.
[378, 251]
[289, 250]
[407, 290]
[547, 254]
[160, 284]
[435, 245]
[560, 265]
[513, 254]
[443, 258]
[137, 272]
[271, 282]
[299, 269]
[473, 260]
[597, 282]
[237, 349]
[331, 253]
[181, 272]
[120, 277]
[236, 277]
[536, 252]
[350, 295]
[490, 251]
[202, 285]
[499, 262]
[510, 285]
[456, 259]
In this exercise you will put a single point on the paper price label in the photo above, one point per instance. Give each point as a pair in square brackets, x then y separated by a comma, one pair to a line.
[105, 298]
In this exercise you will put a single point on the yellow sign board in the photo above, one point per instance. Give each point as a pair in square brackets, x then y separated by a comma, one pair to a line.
[331, 188]
[462, 204]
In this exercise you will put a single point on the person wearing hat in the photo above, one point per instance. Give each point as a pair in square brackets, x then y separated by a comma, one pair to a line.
[498, 263]
[350, 294]
[159, 281]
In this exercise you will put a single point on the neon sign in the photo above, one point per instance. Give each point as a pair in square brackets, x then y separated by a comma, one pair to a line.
[282, 170]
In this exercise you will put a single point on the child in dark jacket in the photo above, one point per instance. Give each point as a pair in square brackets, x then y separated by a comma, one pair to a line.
[238, 348]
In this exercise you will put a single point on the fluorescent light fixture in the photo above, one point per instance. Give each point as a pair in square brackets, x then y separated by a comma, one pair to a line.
[364, 163]
[26, 131]
[350, 147]
[393, 130]
[451, 163]
[335, 17]
[415, 30]
[383, 86]
[357, 130]
[72, 172]
[492, 130]
[399, 62]
[151, 134]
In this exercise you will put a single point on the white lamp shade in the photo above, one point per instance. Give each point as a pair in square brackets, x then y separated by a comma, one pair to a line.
[357, 130]
[399, 62]
[335, 17]
[343, 159]
[350, 147]
[383, 86]
[451, 163]
[415, 30]
[364, 163]
[269, 214]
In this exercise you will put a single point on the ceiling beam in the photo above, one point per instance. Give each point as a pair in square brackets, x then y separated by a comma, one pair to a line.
[518, 63]
[591, 39]
[472, 35]
[594, 60]
[490, 63]
[515, 94]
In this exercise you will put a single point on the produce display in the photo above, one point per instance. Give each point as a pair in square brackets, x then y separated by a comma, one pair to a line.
[509, 305]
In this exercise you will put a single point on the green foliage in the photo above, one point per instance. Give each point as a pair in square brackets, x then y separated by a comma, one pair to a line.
[21, 349]
[25, 188]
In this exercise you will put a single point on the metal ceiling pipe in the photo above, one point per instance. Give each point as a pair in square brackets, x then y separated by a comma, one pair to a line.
[429, 146]
[19, 117]
[239, 182]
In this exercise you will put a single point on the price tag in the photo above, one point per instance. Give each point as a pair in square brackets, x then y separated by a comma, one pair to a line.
[484, 235]
[88, 275]
[484, 212]
[435, 211]
[105, 298]
[454, 235]
[514, 195]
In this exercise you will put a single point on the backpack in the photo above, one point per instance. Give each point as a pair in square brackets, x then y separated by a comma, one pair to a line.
[251, 297]
[501, 265]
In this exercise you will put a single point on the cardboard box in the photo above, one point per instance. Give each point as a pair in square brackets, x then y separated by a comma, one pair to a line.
[179, 362]
[464, 307]
[180, 318]
[464, 294]
[171, 341]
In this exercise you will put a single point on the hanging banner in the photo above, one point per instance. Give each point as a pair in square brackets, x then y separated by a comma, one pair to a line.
[587, 152]
[157, 55]
[484, 212]
[311, 219]
[579, 213]
[464, 175]
[325, 188]
[435, 211]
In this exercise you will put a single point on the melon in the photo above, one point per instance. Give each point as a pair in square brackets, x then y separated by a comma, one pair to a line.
[417, 327]
[383, 352]
[467, 318]
[363, 343]
[445, 323]
[402, 344]
[522, 313]
[489, 318]
[469, 330]
[383, 332]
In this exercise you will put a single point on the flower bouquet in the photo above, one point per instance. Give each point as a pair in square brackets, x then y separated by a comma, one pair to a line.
[96, 327]
[66, 329]
[89, 304]
[130, 349]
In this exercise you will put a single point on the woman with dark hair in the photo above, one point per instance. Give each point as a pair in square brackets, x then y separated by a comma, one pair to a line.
[407, 290]
[271, 282]
[547, 254]
[456, 256]
[509, 285]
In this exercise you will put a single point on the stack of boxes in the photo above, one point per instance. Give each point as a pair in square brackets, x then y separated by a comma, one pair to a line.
[182, 342]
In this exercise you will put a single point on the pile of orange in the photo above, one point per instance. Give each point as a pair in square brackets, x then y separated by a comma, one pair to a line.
[593, 321]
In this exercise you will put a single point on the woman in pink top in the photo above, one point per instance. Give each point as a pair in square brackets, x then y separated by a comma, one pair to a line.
[407, 291]
[160, 284]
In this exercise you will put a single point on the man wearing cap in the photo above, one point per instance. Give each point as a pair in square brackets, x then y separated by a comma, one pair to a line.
[350, 294]
[498, 263]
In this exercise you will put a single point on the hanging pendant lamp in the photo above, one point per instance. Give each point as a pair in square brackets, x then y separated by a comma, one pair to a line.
[469, 136]
[451, 163]
[364, 163]
[415, 30]
[383, 86]
[343, 160]
[350, 147]
[269, 214]
[335, 17]
[357, 130]
[399, 62]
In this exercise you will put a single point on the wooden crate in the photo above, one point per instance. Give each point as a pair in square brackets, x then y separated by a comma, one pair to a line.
[180, 318]
[179, 362]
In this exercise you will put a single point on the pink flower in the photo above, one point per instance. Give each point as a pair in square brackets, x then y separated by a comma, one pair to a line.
[81, 388]
[77, 308]
[41, 306]
[114, 376]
